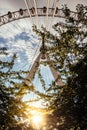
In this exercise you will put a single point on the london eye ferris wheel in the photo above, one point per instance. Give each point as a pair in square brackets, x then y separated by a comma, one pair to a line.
[32, 52]
[16, 34]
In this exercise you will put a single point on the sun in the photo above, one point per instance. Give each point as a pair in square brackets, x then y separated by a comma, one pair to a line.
[37, 119]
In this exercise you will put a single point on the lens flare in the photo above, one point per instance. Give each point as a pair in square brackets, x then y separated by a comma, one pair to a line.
[38, 120]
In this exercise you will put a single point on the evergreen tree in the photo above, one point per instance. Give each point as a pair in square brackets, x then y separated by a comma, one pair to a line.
[68, 54]
[12, 90]
[67, 44]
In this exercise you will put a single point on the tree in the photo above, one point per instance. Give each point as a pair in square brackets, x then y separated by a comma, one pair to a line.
[67, 45]
[12, 90]
[71, 105]
[14, 112]
[68, 49]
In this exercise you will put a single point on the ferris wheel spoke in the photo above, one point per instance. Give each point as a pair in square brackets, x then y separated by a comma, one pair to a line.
[33, 70]
[27, 6]
[36, 12]
[48, 2]
[56, 76]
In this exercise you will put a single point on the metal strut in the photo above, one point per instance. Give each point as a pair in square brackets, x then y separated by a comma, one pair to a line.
[44, 58]
[26, 13]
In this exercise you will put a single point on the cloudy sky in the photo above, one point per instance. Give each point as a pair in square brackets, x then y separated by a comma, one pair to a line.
[16, 4]
[18, 37]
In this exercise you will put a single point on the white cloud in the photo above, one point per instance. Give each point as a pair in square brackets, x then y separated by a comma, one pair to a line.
[26, 52]
[17, 4]
[11, 4]
[14, 28]
[24, 48]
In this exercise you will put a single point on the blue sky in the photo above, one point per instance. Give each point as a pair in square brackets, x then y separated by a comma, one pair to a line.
[26, 45]
[19, 38]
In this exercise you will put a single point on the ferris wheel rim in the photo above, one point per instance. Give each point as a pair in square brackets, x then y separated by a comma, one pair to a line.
[23, 13]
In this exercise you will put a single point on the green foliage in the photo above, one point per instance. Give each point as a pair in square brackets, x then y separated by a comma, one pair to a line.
[70, 102]
[67, 49]
[12, 89]
[66, 11]
[14, 112]
[69, 43]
